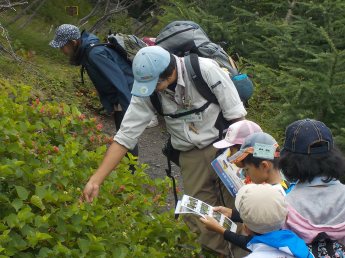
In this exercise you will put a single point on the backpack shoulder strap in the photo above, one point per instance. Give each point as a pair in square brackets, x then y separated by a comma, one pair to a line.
[112, 45]
[93, 45]
[115, 47]
[156, 103]
[193, 68]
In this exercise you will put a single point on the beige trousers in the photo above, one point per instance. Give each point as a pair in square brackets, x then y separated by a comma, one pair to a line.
[201, 182]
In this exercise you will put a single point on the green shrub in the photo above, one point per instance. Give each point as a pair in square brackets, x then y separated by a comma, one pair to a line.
[47, 153]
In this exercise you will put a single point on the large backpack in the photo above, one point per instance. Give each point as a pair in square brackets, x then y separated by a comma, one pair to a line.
[322, 246]
[125, 45]
[182, 38]
[187, 39]
[128, 44]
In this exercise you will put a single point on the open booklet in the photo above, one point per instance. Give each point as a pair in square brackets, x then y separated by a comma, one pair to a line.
[228, 172]
[192, 205]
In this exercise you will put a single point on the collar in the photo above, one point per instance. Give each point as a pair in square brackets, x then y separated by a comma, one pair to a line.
[283, 240]
[181, 70]
[317, 181]
[180, 92]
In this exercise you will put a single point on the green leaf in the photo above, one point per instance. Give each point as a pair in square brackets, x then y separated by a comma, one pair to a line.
[75, 111]
[25, 215]
[18, 242]
[4, 237]
[62, 249]
[120, 251]
[11, 220]
[6, 170]
[22, 192]
[84, 245]
[43, 236]
[27, 230]
[45, 252]
[38, 236]
[17, 204]
[36, 200]
[41, 191]
[43, 171]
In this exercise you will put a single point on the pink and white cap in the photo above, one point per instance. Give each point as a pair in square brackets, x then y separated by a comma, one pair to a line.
[237, 132]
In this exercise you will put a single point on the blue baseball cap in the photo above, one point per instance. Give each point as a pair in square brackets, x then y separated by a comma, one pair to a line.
[260, 144]
[308, 136]
[63, 34]
[148, 64]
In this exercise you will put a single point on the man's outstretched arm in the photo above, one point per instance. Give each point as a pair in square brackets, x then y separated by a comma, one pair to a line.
[112, 158]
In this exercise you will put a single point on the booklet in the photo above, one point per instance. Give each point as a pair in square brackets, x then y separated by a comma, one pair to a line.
[192, 205]
[228, 172]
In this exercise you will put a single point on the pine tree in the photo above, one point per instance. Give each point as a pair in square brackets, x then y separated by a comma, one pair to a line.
[294, 49]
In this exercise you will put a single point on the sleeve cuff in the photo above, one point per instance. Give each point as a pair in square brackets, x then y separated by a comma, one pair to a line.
[235, 216]
[124, 140]
[235, 112]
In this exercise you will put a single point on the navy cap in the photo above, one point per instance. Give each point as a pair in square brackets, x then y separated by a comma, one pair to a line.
[308, 136]
[63, 34]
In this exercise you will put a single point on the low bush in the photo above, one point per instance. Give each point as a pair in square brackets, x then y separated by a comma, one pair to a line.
[47, 153]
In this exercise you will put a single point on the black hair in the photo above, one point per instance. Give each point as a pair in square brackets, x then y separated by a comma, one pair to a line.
[250, 159]
[170, 69]
[304, 167]
[75, 59]
[237, 146]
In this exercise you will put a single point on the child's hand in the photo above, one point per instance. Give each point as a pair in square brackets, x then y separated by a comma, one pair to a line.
[226, 211]
[212, 224]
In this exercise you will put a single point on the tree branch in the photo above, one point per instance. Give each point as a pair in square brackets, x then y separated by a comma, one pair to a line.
[24, 11]
[120, 7]
[9, 50]
[92, 13]
[10, 5]
[28, 20]
[107, 6]
[289, 12]
[146, 26]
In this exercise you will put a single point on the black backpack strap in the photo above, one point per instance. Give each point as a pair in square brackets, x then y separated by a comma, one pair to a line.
[156, 103]
[82, 71]
[193, 68]
[169, 174]
[189, 112]
[88, 49]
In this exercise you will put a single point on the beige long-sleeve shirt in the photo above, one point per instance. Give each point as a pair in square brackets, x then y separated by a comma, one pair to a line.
[185, 97]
